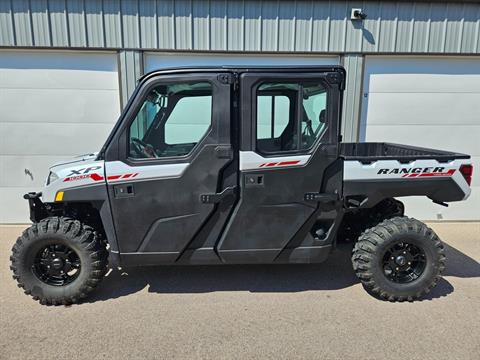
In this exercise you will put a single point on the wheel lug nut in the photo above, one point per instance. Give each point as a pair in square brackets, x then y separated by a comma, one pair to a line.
[397, 269]
[409, 263]
[392, 258]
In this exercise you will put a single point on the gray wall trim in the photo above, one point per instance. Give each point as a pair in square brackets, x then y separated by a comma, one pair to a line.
[130, 70]
[244, 25]
[354, 64]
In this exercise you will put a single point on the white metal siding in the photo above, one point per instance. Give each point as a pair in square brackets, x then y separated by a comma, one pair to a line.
[54, 105]
[431, 102]
[155, 61]
[243, 25]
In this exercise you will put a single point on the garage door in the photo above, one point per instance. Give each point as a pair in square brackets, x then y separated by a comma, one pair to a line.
[154, 61]
[430, 102]
[54, 105]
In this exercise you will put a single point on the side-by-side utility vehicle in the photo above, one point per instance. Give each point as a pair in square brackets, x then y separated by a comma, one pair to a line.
[236, 165]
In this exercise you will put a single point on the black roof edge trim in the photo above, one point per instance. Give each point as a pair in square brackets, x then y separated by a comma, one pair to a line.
[243, 69]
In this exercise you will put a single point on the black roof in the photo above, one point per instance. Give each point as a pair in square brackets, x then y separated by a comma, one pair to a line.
[243, 69]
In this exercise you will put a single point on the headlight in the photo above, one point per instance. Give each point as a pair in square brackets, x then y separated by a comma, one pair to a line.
[51, 178]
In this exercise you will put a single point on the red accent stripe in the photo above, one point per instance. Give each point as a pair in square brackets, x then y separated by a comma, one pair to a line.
[448, 173]
[114, 177]
[271, 164]
[288, 163]
[96, 177]
[126, 176]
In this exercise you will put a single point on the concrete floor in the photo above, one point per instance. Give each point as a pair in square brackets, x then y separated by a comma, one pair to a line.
[280, 311]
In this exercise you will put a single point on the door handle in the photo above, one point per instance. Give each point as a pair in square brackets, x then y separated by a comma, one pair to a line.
[218, 197]
[123, 191]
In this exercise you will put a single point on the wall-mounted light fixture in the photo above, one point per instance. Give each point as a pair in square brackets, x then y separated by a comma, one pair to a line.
[357, 14]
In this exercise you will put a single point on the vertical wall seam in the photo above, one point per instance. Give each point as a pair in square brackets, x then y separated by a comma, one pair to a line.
[310, 27]
[429, 26]
[209, 26]
[460, 33]
[395, 29]
[30, 27]
[294, 28]
[444, 32]
[412, 29]
[477, 30]
[190, 16]
[277, 27]
[102, 21]
[85, 27]
[67, 24]
[243, 25]
[260, 32]
[225, 26]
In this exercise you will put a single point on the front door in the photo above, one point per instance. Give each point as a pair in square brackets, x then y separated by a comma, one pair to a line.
[290, 172]
[174, 158]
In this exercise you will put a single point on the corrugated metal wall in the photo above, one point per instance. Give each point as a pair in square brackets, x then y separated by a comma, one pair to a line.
[290, 26]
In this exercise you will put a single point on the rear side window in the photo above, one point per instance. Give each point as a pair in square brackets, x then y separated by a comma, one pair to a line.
[290, 116]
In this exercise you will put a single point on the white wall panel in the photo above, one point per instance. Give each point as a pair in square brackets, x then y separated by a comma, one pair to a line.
[54, 105]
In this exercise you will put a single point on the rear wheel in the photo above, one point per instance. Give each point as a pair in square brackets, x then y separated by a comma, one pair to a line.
[399, 259]
[59, 260]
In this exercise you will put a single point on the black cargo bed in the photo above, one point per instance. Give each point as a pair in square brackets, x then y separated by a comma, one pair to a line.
[368, 152]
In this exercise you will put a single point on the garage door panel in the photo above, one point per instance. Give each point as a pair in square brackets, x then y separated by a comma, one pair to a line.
[54, 105]
[424, 209]
[452, 138]
[59, 105]
[427, 74]
[14, 208]
[48, 139]
[424, 108]
[62, 70]
[418, 83]
[13, 168]
[58, 79]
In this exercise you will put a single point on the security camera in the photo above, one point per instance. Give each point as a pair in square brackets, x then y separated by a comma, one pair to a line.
[357, 14]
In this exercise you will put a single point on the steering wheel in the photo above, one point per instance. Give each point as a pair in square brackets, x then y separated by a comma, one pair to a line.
[142, 148]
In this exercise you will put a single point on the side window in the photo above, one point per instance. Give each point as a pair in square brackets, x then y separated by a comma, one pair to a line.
[290, 116]
[171, 121]
[273, 113]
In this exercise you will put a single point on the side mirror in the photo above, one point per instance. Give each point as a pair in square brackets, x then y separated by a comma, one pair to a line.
[321, 117]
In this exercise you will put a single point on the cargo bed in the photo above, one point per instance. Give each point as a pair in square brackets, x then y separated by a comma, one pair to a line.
[373, 151]
[374, 171]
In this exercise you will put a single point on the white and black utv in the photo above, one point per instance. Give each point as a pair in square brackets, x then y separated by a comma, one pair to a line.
[236, 165]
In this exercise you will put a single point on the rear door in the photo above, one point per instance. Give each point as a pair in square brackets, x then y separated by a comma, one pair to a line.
[290, 174]
[174, 158]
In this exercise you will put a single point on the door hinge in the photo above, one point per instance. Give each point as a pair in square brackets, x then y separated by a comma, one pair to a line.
[229, 78]
[226, 78]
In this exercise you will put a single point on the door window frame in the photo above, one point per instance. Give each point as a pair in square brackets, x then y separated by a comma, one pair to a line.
[250, 82]
[217, 134]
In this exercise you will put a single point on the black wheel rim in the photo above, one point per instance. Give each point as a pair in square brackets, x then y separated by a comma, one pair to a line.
[56, 265]
[404, 263]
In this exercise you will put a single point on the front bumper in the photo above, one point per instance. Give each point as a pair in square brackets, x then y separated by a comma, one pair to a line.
[38, 211]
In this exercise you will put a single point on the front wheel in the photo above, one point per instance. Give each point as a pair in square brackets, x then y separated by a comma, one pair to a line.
[399, 259]
[58, 261]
